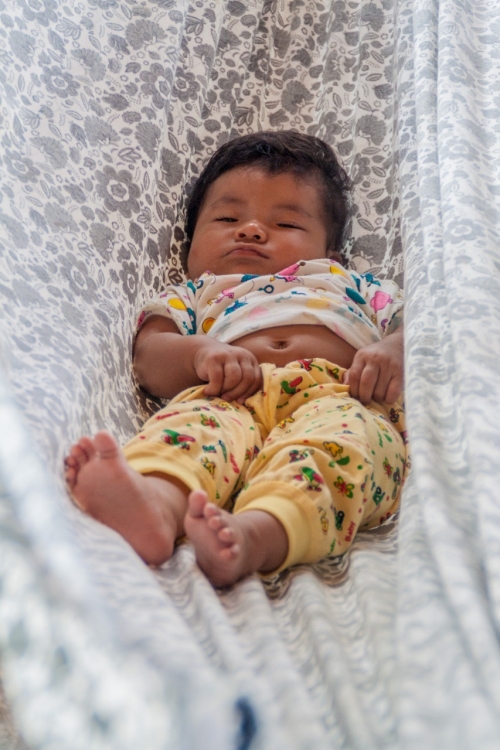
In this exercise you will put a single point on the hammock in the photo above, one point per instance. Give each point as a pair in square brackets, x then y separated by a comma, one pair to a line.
[109, 111]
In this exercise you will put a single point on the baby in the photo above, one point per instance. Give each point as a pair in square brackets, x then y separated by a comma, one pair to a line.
[279, 441]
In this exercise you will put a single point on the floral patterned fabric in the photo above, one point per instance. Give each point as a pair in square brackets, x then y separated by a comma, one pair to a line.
[108, 111]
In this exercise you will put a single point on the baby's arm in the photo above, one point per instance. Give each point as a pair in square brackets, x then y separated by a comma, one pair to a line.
[166, 362]
[377, 370]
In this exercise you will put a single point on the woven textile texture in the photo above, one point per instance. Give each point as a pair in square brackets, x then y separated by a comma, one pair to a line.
[109, 110]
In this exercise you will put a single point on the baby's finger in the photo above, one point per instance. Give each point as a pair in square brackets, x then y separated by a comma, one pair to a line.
[367, 383]
[394, 389]
[215, 379]
[381, 386]
[254, 385]
[245, 387]
[352, 376]
[232, 376]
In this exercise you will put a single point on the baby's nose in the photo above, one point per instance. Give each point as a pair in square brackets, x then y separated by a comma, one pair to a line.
[252, 230]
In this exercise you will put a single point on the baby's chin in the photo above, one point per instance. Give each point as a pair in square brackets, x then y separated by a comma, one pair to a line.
[246, 264]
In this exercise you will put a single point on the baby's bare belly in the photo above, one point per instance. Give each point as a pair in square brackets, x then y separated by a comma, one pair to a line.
[283, 344]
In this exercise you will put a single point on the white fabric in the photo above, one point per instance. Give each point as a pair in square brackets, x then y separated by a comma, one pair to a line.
[108, 112]
[358, 308]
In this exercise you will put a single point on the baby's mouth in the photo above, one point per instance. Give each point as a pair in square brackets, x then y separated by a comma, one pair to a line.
[248, 250]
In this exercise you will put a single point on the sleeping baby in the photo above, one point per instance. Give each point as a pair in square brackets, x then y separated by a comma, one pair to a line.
[283, 434]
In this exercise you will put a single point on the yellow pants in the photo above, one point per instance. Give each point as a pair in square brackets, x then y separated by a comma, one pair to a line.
[301, 449]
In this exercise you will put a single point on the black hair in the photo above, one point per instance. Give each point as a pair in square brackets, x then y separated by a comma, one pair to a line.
[277, 152]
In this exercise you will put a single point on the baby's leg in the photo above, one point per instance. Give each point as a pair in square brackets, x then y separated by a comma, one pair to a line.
[230, 547]
[328, 466]
[147, 510]
[329, 469]
[142, 491]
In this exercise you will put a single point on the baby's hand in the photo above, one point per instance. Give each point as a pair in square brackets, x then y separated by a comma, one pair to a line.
[377, 370]
[231, 372]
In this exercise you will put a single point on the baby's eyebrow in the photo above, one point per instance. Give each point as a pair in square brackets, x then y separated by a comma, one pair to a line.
[295, 207]
[227, 199]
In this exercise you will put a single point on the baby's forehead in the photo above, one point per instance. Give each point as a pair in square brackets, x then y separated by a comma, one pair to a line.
[243, 171]
[240, 176]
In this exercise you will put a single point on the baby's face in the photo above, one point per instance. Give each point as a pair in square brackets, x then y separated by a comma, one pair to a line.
[255, 222]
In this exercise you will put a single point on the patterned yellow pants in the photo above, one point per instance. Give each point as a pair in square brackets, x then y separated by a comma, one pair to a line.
[301, 449]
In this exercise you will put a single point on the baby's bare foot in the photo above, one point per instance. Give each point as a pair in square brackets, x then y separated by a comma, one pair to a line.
[230, 547]
[146, 510]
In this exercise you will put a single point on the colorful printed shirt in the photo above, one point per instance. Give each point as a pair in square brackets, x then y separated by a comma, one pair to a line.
[361, 309]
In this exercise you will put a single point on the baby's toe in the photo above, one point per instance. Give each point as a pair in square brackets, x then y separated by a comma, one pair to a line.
[87, 446]
[77, 458]
[81, 452]
[231, 552]
[197, 503]
[210, 510]
[226, 535]
[70, 476]
[216, 522]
